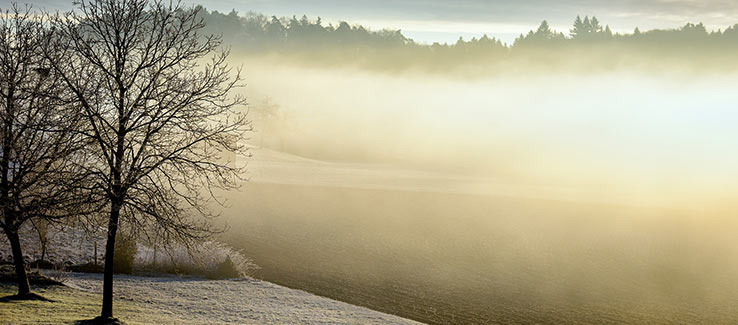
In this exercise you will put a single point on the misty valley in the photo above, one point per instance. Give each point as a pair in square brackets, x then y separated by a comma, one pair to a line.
[544, 199]
[368, 162]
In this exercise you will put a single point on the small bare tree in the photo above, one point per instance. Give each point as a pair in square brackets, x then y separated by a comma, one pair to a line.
[42, 230]
[157, 98]
[39, 146]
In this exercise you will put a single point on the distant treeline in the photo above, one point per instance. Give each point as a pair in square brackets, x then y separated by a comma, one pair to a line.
[587, 44]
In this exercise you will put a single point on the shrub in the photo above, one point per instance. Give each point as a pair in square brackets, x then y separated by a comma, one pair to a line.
[42, 264]
[89, 267]
[226, 270]
[209, 259]
[125, 254]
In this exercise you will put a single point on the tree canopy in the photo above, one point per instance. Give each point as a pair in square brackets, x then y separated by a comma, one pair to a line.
[314, 40]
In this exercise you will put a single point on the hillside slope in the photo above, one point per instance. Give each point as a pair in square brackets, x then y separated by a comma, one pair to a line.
[174, 300]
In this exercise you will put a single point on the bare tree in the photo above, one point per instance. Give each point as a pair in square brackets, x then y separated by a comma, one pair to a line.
[42, 229]
[157, 98]
[38, 142]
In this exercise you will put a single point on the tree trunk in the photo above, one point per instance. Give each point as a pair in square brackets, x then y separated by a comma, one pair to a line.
[107, 305]
[20, 267]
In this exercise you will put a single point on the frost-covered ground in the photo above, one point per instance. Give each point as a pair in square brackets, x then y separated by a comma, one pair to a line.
[249, 301]
[174, 300]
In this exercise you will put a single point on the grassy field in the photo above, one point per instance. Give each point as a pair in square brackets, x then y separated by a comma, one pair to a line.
[185, 300]
[71, 306]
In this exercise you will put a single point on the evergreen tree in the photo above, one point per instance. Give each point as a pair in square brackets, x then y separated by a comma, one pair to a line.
[595, 26]
[275, 31]
[579, 28]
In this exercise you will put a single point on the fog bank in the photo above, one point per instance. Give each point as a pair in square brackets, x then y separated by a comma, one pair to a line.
[641, 137]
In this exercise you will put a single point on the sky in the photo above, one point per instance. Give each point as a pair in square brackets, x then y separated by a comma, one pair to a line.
[430, 21]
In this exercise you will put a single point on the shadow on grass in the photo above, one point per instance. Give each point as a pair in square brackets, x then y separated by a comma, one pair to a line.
[99, 321]
[26, 297]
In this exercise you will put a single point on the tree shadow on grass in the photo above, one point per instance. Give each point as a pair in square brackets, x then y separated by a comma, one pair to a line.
[25, 297]
[99, 321]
